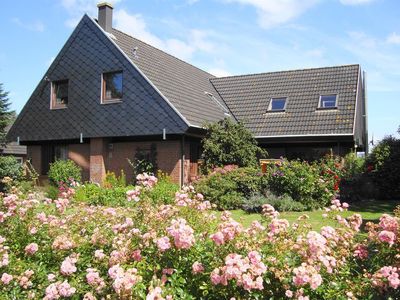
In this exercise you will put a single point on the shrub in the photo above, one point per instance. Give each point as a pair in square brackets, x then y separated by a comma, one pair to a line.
[63, 171]
[164, 191]
[227, 142]
[64, 249]
[383, 165]
[313, 185]
[228, 189]
[10, 167]
[93, 194]
[111, 180]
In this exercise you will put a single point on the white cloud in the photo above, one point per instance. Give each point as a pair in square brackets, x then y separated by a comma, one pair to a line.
[393, 38]
[76, 8]
[219, 72]
[355, 2]
[135, 25]
[277, 12]
[37, 26]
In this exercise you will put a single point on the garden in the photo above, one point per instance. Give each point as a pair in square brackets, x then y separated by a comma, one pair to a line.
[297, 231]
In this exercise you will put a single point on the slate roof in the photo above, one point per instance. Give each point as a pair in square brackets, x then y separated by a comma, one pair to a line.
[13, 148]
[183, 84]
[248, 97]
[85, 56]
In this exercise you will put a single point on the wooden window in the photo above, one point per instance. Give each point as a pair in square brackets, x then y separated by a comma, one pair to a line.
[59, 94]
[111, 87]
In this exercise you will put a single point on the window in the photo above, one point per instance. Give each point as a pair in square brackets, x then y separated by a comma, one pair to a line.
[59, 94]
[277, 104]
[327, 101]
[112, 87]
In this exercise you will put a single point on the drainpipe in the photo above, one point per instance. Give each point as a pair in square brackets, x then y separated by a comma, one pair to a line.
[365, 112]
[182, 160]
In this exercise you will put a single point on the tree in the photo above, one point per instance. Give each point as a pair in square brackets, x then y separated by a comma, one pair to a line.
[5, 114]
[227, 142]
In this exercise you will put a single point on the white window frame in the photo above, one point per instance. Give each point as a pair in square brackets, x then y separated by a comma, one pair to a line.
[330, 107]
[277, 110]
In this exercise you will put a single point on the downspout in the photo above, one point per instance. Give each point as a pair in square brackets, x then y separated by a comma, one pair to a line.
[182, 161]
[365, 115]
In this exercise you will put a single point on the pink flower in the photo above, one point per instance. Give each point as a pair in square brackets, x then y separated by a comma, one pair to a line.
[218, 238]
[99, 254]
[31, 249]
[197, 267]
[68, 266]
[387, 237]
[51, 277]
[136, 255]
[163, 243]
[6, 278]
[182, 234]
[289, 294]
[215, 277]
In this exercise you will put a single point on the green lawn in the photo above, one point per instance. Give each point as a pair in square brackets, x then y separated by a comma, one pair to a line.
[370, 210]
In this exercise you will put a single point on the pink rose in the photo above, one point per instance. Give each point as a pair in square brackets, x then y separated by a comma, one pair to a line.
[31, 249]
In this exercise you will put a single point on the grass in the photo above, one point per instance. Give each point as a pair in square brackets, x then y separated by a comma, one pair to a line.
[370, 210]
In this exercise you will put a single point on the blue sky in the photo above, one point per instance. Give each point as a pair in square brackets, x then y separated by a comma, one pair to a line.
[224, 37]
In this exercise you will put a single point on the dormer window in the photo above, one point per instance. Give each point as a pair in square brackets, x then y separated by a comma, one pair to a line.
[277, 104]
[328, 101]
[59, 94]
[111, 87]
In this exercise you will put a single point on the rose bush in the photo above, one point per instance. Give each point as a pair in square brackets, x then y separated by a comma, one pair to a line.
[57, 249]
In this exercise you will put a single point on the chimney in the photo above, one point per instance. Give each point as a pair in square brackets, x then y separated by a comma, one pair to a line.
[105, 16]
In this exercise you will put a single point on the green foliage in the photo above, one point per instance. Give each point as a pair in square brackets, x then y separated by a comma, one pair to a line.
[10, 167]
[229, 190]
[52, 192]
[163, 192]
[145, 161]
[93, 194]
[313, 184]
[227, 143]
[383, 164]
[5, 114]
[111, 180]
[62, 171]
[353, 165]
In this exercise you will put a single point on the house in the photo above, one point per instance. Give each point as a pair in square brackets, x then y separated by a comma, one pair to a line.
[107, 96]
[13, 149]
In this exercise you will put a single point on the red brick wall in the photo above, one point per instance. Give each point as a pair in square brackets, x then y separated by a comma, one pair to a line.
[97, 158]
[168, 157]
[80, 154]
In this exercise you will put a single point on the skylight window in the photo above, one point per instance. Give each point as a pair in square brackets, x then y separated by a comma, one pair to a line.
[328, 101]
[277, 104]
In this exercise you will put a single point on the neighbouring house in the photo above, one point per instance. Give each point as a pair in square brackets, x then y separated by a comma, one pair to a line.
[13, 149]
[108, 96]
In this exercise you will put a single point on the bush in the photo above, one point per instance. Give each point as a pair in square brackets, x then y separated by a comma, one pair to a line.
[64, 249]
[93, 194]
[164, 191]
[52, 192]
[63, 171]
[10, 167]
[227, 142]
[383, 165]
[112, 180]
[229, 189]
[313, 185]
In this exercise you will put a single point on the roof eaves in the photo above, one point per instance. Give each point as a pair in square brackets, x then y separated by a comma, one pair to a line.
[303, 135]
[143, 75]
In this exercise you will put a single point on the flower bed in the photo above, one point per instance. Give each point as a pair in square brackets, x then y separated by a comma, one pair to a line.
[67, 249]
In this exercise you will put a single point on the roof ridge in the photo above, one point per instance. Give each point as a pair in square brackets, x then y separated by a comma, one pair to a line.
[177, 58]
[286, 71]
